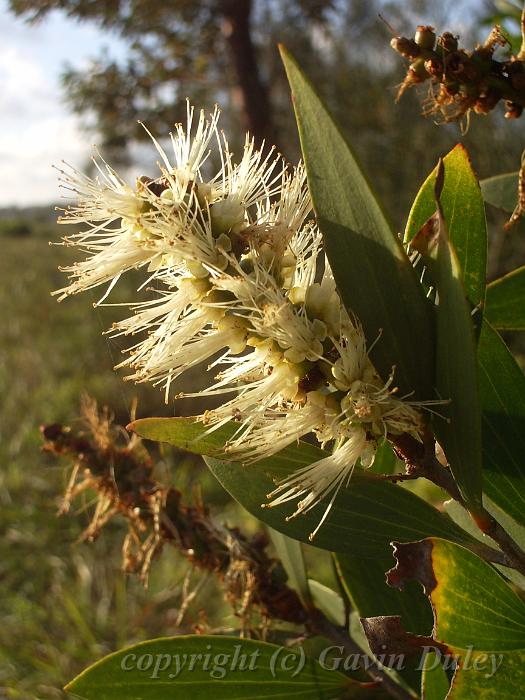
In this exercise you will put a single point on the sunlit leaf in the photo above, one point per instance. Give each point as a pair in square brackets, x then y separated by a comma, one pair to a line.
[478, 619]
[434, 684]
[459, 428]
[464, 213]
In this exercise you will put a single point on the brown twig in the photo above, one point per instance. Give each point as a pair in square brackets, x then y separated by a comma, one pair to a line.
[520, 206]
[420, 461]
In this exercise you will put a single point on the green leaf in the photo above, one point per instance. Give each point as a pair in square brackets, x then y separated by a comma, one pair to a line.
[502, 394]
[478, 619]
[291, 556]
[366, 515]
[365, 584]
[224, 668]
[434, 683]
[373, 274]
[328, 601]
[461, 517]
[506, 684]
[505, 303]
[501, 191]
[193, 436]
[386, 461]
[464, 213]
[456, 373]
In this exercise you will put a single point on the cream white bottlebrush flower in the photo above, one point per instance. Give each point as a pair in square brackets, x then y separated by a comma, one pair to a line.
[242, 284]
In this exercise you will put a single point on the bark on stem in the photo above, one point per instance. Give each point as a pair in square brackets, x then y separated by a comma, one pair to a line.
[249, 93]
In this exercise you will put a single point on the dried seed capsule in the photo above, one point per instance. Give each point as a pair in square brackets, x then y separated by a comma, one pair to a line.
[487, 101]
[447, 42]
[434, 66]
[417, 71]
[425, 37]
[406, 47]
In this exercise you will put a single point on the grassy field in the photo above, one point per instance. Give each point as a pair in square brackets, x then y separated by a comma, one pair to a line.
[63, 605]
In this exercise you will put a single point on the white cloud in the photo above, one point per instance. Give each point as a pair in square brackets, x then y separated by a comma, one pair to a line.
[37, 131]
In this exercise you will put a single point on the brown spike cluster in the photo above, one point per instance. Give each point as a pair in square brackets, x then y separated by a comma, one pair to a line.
[121, 472]
[462, 81]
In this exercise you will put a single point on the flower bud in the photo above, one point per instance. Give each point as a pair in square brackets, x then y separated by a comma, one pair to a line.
[226, 215]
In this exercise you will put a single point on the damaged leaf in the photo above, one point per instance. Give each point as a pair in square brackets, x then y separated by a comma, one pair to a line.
[479, 622]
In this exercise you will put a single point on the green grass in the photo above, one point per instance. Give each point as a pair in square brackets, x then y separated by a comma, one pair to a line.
[64, 605]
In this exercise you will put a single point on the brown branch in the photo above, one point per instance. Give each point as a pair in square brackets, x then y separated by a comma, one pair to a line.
[420, 461]
[521, 55]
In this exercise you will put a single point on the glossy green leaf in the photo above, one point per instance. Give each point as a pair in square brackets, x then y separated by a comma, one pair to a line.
[502, 394]
[501, 191]
[203, 667]
[505, 302]
[365, 584]
[464, 213]
[373, 274]
[434, 683]
[366, 515]
[291, 556]
[459, 430]
[478, 619]
[190, 435]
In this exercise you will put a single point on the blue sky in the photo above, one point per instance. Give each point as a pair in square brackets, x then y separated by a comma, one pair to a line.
[37, 129]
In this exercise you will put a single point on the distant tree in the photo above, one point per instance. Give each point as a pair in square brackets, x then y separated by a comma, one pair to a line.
[225, 51]
[202, 49]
